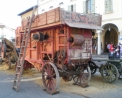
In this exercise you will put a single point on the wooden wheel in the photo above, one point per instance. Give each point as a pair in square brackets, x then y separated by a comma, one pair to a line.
[50, 78]
[3, 50]
[109, 73]
[93, 67]
[83, 77]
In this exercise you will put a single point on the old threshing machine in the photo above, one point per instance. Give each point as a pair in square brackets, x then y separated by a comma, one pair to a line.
[58, 43]
[8, 52]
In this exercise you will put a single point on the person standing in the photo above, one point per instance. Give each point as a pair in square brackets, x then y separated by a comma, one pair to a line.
[111, 48]
[120, 49]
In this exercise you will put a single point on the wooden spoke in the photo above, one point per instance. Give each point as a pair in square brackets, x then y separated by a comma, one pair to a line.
[83, 77]
[109, 73]
[50, 77]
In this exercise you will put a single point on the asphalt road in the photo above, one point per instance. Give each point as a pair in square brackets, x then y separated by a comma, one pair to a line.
[28, 89]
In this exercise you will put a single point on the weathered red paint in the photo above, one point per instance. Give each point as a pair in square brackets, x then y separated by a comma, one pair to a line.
[52, 23]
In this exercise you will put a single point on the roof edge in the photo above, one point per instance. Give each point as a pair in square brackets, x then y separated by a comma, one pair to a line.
[29, 9]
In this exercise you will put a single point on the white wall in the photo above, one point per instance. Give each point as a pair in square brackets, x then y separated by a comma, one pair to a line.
[115, 17]
[117, 9]
[55, 3]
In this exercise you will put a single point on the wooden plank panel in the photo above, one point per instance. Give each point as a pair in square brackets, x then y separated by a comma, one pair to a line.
[51, 16]
[34, 23]
[57, 15]
[41, 20]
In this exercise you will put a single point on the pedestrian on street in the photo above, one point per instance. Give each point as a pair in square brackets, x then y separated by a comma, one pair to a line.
[120, 49]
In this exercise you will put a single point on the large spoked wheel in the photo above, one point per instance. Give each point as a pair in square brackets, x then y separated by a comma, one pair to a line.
[83, 77]
[109, 73]
[50, 78]
[3, 51]
[93, 67]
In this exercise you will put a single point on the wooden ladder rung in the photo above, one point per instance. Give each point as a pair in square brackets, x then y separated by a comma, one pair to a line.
[17, 73]
[19, 66]
[20, 63]
[14, 87]
[22, 46]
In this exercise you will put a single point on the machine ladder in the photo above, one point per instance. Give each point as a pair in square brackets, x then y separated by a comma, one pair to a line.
[22, 54]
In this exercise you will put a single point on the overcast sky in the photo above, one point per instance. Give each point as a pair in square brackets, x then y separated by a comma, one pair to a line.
[9, 10]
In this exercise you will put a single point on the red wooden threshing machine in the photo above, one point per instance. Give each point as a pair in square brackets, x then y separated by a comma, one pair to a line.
[59, 44]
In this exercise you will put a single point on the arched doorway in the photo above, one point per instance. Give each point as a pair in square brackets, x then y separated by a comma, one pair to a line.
[110, 36]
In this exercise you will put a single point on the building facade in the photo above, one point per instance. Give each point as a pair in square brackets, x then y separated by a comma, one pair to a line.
[111, 11]
[27, 13]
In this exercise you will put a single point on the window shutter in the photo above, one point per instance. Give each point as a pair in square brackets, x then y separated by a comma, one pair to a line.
[84, 6]
[74, 8]
[92, 6]
[69, 8]
[108, 6]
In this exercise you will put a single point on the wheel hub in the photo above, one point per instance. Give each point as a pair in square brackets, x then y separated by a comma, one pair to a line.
[49, 77]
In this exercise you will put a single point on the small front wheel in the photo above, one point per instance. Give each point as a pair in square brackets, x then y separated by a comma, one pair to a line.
[109, 73]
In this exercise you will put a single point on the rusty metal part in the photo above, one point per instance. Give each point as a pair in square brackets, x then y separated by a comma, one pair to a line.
[67, 78]
[39, 36]
[77, 40]
[59, 58]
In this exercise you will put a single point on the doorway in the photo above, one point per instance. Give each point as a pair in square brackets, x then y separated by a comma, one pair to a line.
[110, 36]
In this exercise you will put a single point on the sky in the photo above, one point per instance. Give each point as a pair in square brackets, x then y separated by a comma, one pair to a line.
[9, 10]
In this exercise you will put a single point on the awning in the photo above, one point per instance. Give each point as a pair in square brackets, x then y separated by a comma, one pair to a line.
[82, 25]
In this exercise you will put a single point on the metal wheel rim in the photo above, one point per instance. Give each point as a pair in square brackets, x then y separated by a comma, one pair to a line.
[84, 76]
[50, 78]
[109, 73]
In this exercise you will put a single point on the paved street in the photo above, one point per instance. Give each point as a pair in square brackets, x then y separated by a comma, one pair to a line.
[28, 89]
[31, 87]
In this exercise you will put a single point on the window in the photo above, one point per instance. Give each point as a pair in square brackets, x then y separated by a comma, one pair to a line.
[61, 3]
[72, 8]
[108, 6]
[42, 9]
[72, 0]
[51, 6]
[89, 6]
